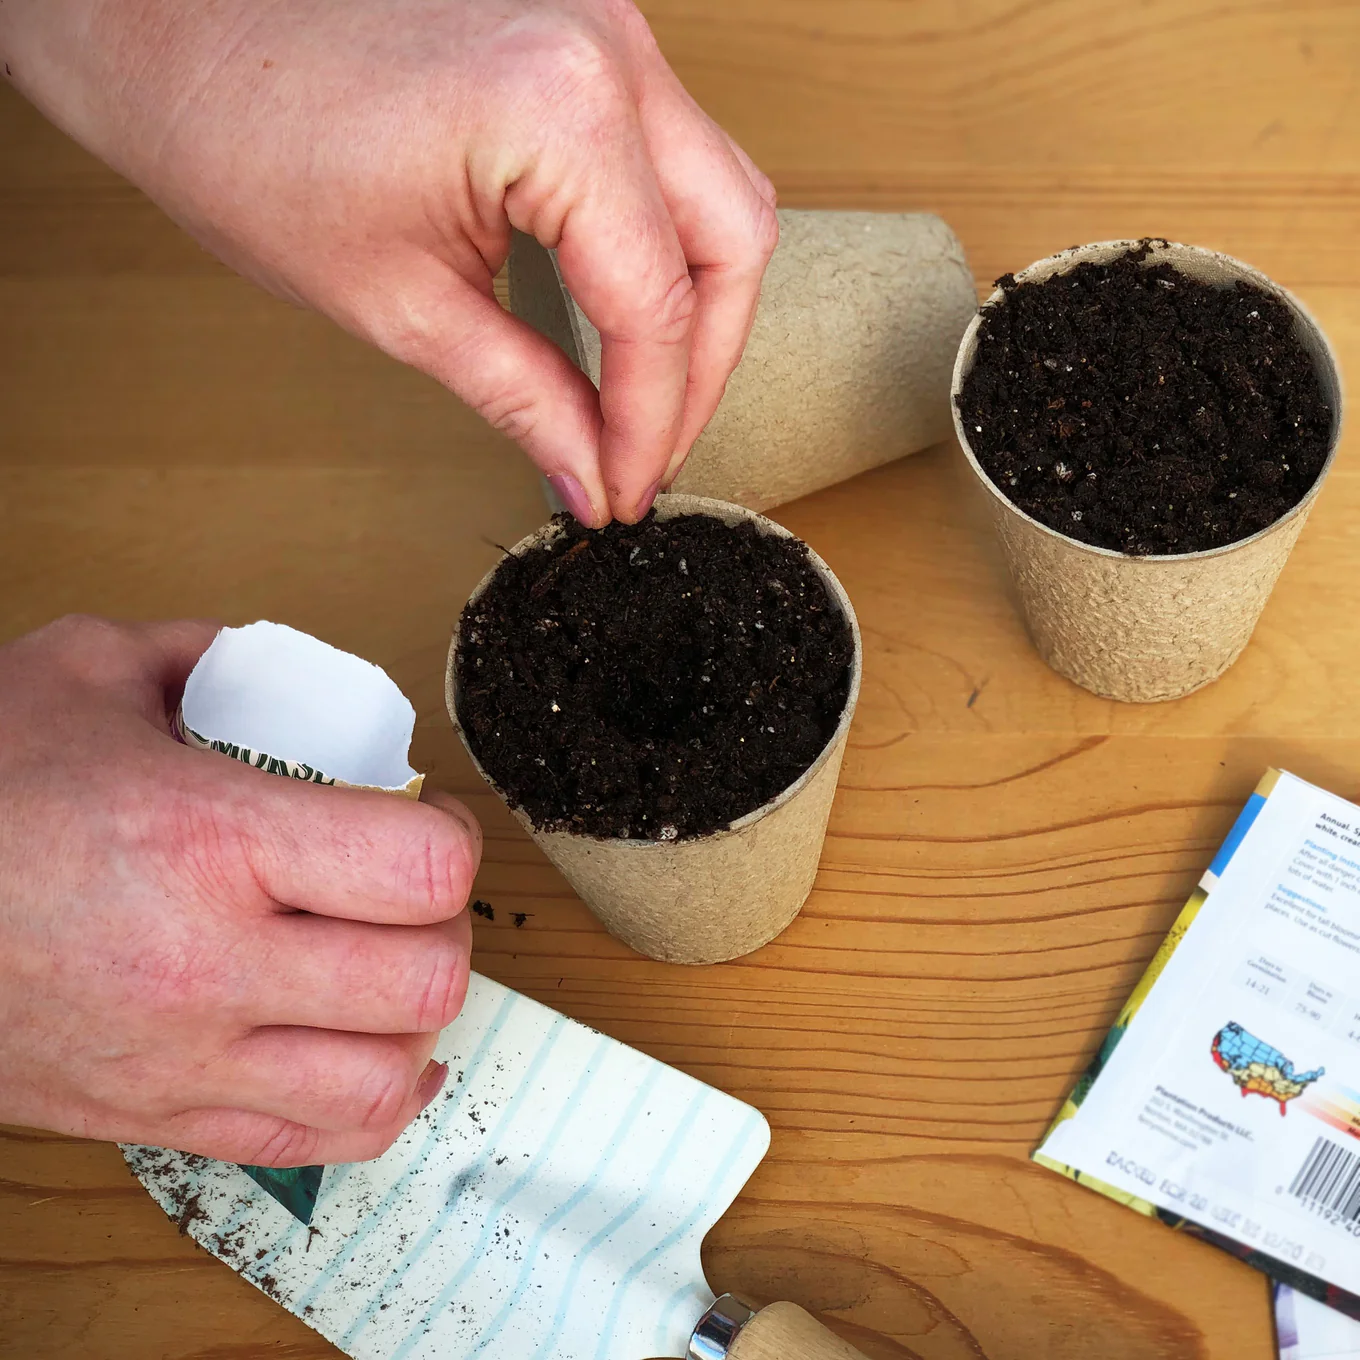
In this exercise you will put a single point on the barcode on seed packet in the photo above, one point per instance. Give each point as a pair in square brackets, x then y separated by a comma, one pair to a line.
[1329, 1181]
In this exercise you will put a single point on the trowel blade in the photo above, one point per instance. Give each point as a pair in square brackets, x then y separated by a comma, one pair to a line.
[549, 1204]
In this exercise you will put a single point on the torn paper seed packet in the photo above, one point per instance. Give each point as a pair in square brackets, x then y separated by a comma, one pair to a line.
[290, 704]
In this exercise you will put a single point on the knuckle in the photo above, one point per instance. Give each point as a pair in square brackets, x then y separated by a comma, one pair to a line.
[438, 873]
[578, 72]
[383, 1092]
[500, 392]
[632, 23]
[285, 1144]
[563, 69]
[88, 645]
[76, 625]
[765, 238]
[512, 412]
[445, 982]
[671, 315]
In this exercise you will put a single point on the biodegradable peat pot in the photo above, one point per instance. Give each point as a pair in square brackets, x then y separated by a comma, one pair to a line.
[848, 362]
[1146, 628]
[705, 898]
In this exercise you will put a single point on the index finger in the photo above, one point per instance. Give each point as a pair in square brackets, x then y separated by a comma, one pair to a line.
[622, 260]
[724, 216]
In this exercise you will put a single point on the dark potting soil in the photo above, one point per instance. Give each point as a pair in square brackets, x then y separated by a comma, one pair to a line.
[653, 681]
[1134, 408]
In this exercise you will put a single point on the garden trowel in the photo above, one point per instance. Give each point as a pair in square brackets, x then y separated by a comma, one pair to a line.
[548, 1205]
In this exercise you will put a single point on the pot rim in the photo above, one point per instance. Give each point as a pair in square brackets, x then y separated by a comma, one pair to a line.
[1060, 263]
[670, 506]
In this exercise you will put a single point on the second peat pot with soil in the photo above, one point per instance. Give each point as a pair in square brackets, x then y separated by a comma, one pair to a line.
[1152, 423]
[664, 706]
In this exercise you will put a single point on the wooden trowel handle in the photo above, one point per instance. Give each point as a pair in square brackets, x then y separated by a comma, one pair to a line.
[783, 1331]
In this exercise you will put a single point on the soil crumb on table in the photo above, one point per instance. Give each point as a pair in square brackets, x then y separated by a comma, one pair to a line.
[1131, 407]
[653, 681]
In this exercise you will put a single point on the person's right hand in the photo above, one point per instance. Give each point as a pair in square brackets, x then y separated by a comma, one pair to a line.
[198, 955]
[369, 158]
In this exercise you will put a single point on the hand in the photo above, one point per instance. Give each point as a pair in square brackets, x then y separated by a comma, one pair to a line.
[198, 955]
[368, 158]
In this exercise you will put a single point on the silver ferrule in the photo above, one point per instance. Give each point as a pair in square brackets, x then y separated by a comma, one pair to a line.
[719, 1328]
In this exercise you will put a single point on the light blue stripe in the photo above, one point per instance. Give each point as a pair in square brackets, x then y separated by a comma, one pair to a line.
[492, 1330]
[702, 1206]
[682, 1296]
[654, 1180]
[491, 1224]
[358, 1235]
[465, 1177]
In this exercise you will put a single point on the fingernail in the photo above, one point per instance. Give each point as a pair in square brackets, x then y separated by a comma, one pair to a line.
[430, 1081]
[573, 495]
[648, 498]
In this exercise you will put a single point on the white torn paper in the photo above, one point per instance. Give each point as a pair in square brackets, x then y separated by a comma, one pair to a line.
[284, 701]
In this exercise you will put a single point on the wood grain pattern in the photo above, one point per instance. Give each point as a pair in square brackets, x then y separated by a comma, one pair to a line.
[1005, 849]
[783, 1331]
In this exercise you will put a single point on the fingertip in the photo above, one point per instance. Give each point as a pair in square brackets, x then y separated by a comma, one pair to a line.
[577, 502]
[639, 509]
[467, 825]
[435, 797]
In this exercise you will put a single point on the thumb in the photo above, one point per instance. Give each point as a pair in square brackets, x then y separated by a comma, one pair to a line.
[517, 380]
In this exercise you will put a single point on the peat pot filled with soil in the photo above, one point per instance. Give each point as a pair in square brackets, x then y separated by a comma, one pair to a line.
[664, 707]
[1152, 423]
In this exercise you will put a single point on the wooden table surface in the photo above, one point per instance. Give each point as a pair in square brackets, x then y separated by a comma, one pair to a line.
[1005, 851]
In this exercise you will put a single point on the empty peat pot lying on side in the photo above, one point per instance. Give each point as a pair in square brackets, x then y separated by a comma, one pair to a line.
[664, 707]
[847, 364]
[1152, 423]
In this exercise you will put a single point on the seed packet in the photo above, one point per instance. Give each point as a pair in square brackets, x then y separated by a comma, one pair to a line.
[1225, 1101]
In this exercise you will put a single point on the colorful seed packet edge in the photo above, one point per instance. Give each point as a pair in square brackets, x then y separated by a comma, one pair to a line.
[1300, 1280]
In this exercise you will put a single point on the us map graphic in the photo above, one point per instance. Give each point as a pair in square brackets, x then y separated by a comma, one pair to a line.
[1259, 1069]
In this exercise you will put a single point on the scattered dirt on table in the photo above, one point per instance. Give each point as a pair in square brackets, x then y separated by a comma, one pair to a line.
[1133, 408]
[653, 681]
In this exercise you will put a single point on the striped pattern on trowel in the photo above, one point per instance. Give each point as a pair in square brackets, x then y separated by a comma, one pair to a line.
[548, 1205]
